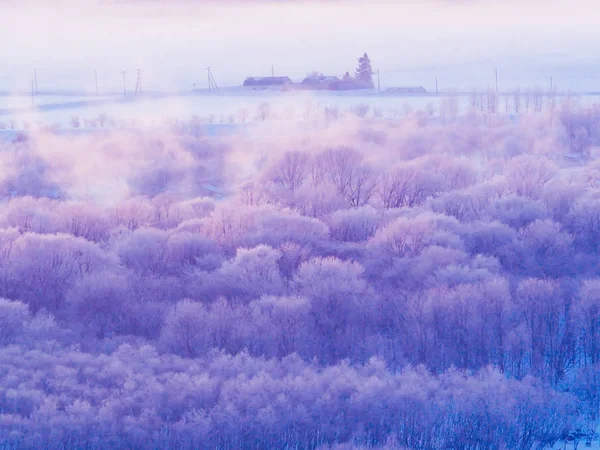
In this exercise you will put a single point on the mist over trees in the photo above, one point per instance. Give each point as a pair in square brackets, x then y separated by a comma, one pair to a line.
[389, 284]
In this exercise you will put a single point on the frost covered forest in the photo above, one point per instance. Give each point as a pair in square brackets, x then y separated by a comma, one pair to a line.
[366, 283]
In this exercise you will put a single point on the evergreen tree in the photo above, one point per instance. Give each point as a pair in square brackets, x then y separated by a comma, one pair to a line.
[364, 71]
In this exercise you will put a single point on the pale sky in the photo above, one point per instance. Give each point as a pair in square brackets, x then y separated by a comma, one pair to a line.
[174, 41]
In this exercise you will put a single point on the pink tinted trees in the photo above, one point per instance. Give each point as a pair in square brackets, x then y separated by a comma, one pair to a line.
[340, 302]
[192, 329]
[544, 310]
[183, 331]
[250, 274]
[14, 317]
[517, 211]
[150, 251]
[41, 268]
[587, 312]
[441, 278]
[281, 324]
[354, 180]
[99, 302]
[527, 174]
[145, 251]
[409, 184]
[409, 236]
[583, 220]
[354, 225]
[548, 249]
[291, 171]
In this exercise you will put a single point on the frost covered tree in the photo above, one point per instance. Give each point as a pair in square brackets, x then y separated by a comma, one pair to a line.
[441, 278]
[14, 316]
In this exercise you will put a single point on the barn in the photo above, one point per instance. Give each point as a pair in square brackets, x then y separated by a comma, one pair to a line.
[320, 82]
[267, 82]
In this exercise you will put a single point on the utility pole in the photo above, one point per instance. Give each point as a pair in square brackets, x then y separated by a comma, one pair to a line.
[496, 81]
[212, 84]
[96, 77]
[272, 70]
[32, 94]
[437, 91]
[35, 80]
[378, 82]
[124, 92]
[551, 85]
[138, 83]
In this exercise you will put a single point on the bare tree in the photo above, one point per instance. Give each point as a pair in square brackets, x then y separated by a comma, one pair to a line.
[517, 100]
[344, 167]
[482, 101]
[361, 110]
[474, 100]
[552, 98]
[196, 126]
[291, 171]
[332, 112]
[102, 118]
[263, 112]
[429, 109]
[492, 101]
[396, 187]
[450, 106]
[537, 98]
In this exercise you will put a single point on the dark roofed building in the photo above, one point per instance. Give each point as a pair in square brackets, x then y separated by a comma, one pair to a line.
[266, 82]
[320, 79]
[331, 83]
[320, 82]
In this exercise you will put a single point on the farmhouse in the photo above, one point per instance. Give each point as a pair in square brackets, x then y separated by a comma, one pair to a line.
[267, 82]
[320, 82]
[332, 83]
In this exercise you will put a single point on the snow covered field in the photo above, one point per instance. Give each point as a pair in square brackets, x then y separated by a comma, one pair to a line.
[238, 106]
